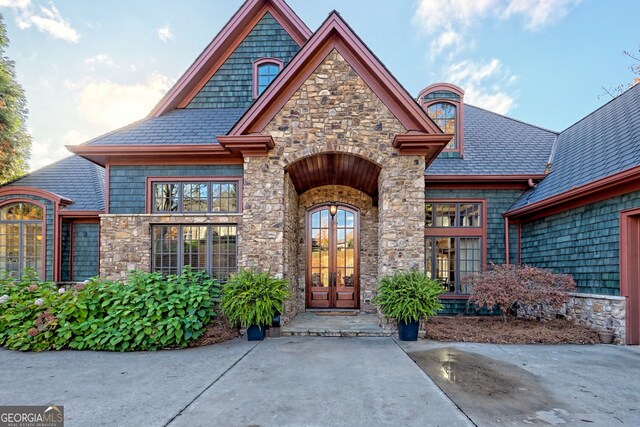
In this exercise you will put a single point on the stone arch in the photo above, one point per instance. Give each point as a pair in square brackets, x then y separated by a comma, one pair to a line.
[314, 150]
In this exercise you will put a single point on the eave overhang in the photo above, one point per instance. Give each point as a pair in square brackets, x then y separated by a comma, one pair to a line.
[422, 144]
[501, 182]
[38, 192]
[605, 188]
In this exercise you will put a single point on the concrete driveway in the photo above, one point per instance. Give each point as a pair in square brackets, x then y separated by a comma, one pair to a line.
[333, 382]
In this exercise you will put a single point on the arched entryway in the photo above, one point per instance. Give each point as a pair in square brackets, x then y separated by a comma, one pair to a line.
[332, 252]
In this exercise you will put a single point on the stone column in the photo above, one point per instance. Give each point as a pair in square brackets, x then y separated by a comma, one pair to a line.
[263, 216]
[401, 215]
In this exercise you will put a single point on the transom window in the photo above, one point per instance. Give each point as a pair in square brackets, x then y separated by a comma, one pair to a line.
[453, 215]
[444, 115]
[209, 248]
[453, 242]
[195, 197]
[21, 238]
[441, 94]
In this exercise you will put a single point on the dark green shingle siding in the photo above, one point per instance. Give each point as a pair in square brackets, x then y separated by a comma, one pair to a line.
[232, 85]
[127, 185]
[49, 223]
[583, 242]
[85, 251]
[456, 307]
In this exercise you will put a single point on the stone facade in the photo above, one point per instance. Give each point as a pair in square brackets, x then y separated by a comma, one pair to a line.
[125, 240]
[333, 111]
[368, 238]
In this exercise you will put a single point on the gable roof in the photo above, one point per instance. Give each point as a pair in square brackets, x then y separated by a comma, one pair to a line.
[178, 127]
[73, 178]
[223, 45]
[336, 34]
[601, 145]
[497, 145]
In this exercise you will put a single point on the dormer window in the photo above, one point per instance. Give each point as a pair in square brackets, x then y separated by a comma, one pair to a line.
[443, 103]
[265, 70]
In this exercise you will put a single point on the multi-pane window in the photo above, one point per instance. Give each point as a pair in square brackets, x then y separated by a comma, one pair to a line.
[21, 238]
[267, 73]
[444, 115]
[453, 243]
[195, 197]
[208, 248]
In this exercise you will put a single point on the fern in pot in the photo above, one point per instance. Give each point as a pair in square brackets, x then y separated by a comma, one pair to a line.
[407, 296]
[252, 299]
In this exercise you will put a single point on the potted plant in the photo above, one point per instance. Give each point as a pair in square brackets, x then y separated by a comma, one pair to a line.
[252, 299]
[406, 297]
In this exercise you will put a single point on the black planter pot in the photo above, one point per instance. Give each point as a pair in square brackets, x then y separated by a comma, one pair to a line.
[408, 331]
[255, 333]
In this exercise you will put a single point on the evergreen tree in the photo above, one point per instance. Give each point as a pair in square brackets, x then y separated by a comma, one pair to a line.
[15, 141]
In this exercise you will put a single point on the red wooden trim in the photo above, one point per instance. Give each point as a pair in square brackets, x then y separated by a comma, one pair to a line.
[256, 66]
[107, 190]
[335, 34]
[150, 180]
[596, 191]
[57, 245]
[177, 161]
[37, 192]
[454, 232]
[44, 227]
[223, 45]
[80, 214]
[630, 271]
[247, 145]
[484, 178]
[163, 154]
[421, 144]
[442, 86]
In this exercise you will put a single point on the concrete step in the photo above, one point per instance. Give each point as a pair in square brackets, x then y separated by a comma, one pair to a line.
[320, 324]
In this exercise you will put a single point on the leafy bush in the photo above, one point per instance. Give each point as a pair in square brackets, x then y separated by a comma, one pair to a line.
[252, 298]
[504, 287]
[148, 312]
[407, 296]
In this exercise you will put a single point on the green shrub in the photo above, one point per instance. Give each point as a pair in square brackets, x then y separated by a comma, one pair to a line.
[147, 312]
[252, 298]
[407, 296]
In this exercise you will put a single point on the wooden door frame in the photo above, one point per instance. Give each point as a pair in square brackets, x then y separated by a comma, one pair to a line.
[356, 267]
[630, 271]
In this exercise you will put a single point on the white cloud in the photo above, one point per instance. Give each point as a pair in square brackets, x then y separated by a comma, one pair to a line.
[46, 19]
[448, 21]
[111, 105]
[165, 34]
[538, 13]
[45, 152]
[484, 84]
[101, 59]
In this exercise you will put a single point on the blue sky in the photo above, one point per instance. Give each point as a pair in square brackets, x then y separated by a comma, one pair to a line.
[89, 67]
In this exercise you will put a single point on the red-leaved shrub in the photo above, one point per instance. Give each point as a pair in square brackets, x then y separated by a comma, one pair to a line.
[504, 287]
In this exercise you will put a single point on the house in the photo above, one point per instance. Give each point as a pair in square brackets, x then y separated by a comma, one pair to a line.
[298, 152]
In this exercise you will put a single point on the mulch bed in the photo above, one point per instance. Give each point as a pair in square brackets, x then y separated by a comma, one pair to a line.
[216, 332]
[513, 331]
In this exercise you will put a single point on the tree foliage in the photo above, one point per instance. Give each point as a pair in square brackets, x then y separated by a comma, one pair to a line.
[503, 287]
[634, 68]
[15, 141]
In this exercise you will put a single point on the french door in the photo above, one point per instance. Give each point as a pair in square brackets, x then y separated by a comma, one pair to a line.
[332, 258]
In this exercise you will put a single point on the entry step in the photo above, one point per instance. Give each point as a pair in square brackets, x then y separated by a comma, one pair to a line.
[321, 324]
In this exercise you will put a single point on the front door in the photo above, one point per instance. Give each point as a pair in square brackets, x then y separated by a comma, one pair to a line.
[332, 258]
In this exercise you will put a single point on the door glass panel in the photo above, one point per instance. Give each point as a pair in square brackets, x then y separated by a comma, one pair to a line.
[345, 250]
[320, 249]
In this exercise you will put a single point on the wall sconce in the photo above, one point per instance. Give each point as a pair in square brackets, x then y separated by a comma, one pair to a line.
[333, 209]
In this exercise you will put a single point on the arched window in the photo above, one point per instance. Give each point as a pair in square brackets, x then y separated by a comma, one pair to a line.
[21, 238]
[445, 116]
[265, 70]
[443, 103]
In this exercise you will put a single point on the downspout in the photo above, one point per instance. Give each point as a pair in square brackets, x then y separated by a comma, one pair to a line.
[506, 240]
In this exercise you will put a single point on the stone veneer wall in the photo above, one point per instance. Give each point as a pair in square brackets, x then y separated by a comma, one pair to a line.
[368, 238]
[599, 312]
[125, 240]
[291, 264]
